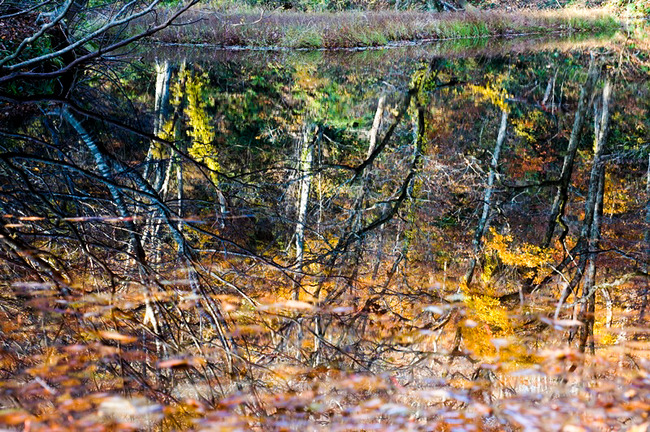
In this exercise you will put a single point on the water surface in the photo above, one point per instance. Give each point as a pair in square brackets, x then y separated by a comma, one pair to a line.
[230, 226]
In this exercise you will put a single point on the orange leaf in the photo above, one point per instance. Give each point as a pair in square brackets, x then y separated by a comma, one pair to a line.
[107, 334]
[13, 417]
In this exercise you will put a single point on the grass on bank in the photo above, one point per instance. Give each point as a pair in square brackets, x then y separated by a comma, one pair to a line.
[367, 29]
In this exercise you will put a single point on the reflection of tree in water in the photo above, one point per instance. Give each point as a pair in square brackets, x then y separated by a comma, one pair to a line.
[285, 239]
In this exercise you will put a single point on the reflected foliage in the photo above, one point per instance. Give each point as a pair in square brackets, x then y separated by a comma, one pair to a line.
[281, 241]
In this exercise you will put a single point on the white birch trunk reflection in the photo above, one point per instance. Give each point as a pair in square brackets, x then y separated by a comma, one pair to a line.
[487, 198]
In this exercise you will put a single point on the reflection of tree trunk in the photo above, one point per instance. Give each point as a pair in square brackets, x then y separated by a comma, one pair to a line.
[588, 241]
[487, 198]
[588, 305]
[594, 213]
[549, 94]
[647, 216]
[646, 237]
[156, 154]
[165, 214]
[309, 136]
[403, 242]
[157, 165]
[390, 209]
[168, 126]
[176, 161]
[179, 189]
[356, 221]
[559, 202]
[379, 147]
[135, 245]
[357, 217]
[222, 207]
[161, 103]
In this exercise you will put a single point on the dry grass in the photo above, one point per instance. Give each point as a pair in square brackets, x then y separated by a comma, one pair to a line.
[366, 29]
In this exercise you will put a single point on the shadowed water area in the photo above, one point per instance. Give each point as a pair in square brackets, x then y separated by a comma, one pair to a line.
[429, 237]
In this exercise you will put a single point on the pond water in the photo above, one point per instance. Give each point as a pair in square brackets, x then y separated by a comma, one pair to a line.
[400, 225]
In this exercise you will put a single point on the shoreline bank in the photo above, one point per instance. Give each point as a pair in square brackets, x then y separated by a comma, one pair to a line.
[363, 30]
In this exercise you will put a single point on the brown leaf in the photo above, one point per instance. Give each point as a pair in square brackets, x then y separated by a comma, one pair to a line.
[181, 363]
